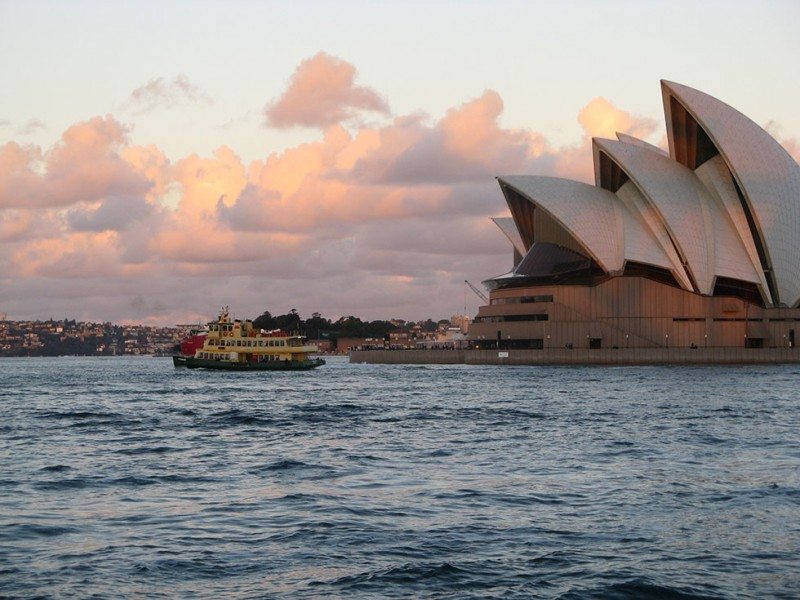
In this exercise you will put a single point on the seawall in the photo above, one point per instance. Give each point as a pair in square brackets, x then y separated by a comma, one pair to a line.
[581, 356]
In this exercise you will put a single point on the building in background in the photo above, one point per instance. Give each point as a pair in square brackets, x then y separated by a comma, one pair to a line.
[462, 322]
[697, 248]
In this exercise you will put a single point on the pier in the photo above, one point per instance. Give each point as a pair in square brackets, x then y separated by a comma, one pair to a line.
[582, 356]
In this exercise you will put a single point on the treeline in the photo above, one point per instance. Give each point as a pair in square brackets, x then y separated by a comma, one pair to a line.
[110, 342]
[317, 326]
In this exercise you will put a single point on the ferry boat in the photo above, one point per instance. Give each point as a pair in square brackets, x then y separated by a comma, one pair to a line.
[235, 345]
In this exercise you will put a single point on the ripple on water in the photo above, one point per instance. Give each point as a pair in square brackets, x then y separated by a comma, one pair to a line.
[127, 477]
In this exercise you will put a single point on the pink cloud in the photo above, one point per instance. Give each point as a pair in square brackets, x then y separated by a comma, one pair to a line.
[378, 221]
[85, 166]
[322, 92]
[790, 144]
[600, 118]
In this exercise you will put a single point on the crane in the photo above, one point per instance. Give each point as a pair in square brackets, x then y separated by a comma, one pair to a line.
[480, 294]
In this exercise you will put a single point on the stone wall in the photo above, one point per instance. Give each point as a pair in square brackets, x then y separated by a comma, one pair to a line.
[581, 356]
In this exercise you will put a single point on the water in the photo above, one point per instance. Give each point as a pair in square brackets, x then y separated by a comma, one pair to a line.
[128, 478]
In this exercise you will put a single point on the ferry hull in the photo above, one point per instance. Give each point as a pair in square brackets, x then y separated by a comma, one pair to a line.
[221, 365]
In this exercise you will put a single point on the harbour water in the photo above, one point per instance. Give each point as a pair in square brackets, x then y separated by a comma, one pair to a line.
[126, 477]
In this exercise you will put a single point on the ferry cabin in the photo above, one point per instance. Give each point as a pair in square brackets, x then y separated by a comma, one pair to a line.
[238, 341]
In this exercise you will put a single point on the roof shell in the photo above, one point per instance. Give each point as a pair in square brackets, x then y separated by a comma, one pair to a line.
[705, 237]
[768, 177]
[509, 229]
[604, 226]
[649, 242]
[585, 211]
[629, 139]
[718, 181]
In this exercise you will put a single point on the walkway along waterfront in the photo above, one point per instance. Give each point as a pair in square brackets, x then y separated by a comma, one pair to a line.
[581, 356]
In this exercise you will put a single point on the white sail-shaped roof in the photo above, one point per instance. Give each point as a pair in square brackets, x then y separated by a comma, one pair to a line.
[509, 229]
[605, 227]
[700, 228]
[653, 245]
[718, 181]
[721, 211]
[629, 139]
[768, 178]
[585, 211]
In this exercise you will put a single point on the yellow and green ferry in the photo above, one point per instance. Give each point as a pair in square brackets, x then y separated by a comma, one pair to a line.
[235, 345]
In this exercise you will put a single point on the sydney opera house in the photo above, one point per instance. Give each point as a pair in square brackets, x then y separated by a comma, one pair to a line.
[697, 248]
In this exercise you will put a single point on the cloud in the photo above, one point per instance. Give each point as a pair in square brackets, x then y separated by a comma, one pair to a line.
[84, 166]
[30, 127]
[467, 144]
[374, 220]
[600, 118]
[163, 93]
[113, 214]
[790, 144]
[321, 93]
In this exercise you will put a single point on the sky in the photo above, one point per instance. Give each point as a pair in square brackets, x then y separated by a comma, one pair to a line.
[159, 160]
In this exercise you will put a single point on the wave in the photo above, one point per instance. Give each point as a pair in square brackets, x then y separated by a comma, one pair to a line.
[638, 589]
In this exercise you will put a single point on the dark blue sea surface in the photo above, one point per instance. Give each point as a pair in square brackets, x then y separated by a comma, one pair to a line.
[126, 477]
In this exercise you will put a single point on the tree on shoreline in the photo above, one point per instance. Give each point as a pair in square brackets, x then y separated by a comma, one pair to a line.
[317, 326]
